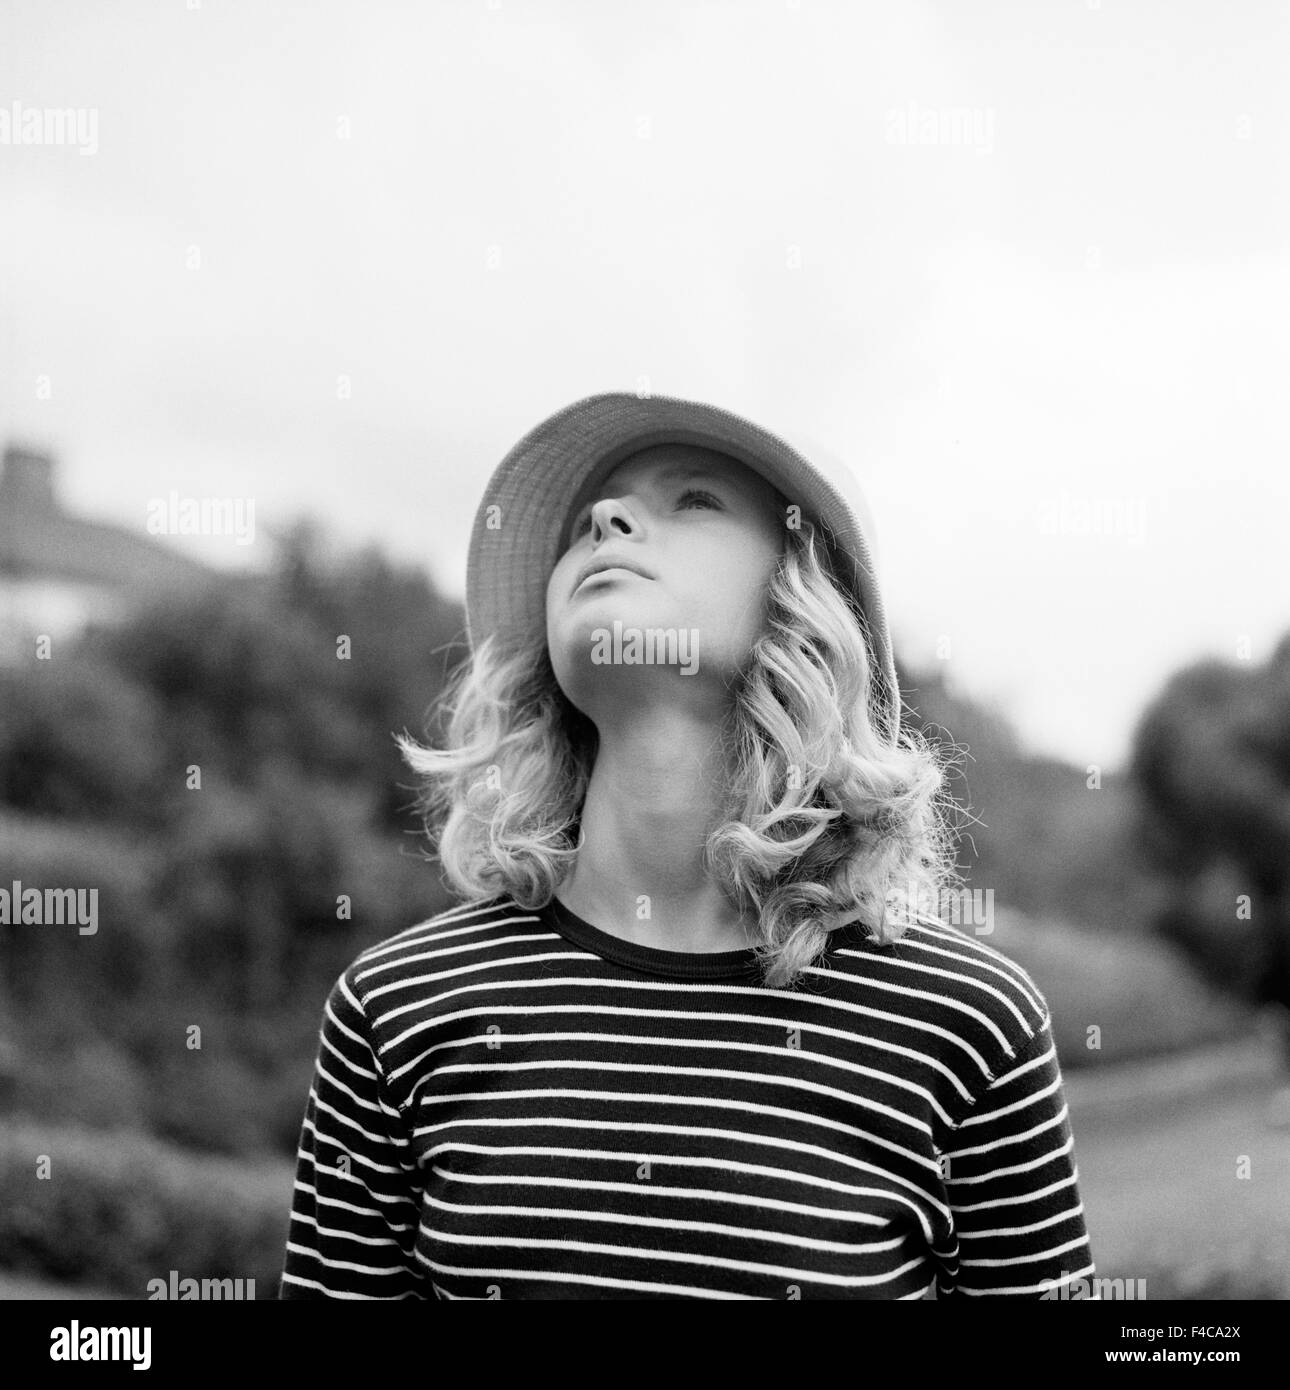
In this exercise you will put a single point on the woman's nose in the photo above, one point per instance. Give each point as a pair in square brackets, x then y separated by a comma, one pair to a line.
[610, 514]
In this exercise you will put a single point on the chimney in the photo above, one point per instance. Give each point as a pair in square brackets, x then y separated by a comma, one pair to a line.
[27, 481]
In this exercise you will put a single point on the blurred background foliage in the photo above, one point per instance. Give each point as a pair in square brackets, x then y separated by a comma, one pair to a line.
[1152, 905]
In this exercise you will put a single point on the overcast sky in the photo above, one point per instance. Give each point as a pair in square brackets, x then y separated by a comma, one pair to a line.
[1027, 266]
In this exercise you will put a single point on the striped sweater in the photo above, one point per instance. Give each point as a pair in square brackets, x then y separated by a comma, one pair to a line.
[510, 1103]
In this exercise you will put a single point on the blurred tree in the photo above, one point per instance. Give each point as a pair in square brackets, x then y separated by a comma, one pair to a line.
[1038, 834]
[78, 739]
[234, 902]
[1212, 761]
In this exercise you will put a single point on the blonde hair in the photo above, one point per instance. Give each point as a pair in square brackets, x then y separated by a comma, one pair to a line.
[831, 814]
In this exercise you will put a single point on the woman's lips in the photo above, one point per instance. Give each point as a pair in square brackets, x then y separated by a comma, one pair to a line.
[615, 570]
[606, 564]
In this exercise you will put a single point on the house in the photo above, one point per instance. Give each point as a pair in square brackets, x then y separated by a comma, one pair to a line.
[61, 573]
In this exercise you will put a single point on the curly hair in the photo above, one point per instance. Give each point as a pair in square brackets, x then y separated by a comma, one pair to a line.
[830, 814]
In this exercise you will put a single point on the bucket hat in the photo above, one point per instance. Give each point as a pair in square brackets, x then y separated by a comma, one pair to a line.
[515, 540]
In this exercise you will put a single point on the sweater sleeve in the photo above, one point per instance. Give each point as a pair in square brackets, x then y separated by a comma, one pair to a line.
[1012, 1186]
[355, 1205]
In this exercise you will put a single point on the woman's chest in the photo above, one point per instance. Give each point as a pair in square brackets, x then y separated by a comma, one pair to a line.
[666, 1162]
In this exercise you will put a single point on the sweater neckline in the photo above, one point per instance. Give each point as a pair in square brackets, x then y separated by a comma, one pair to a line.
[682, 965]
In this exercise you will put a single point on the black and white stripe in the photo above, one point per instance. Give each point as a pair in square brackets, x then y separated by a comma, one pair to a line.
[508, 1103]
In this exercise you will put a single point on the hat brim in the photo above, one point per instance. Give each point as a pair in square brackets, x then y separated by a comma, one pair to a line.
[514, 544]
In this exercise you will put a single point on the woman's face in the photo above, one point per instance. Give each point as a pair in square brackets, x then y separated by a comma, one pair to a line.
[700, 535]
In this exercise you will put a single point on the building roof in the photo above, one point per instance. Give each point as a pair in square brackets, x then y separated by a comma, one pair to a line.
[40, 540]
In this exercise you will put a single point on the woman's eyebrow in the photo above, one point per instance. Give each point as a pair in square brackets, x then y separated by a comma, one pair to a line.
[691, 470]
[669, 473]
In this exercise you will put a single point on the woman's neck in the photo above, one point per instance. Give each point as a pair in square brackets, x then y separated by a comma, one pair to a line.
[657, 791]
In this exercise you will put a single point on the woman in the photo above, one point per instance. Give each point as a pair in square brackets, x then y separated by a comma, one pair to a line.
[692, 1032]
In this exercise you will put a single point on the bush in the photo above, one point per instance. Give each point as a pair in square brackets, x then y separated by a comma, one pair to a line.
[50, 964]
[119, 1209]
[91, 1081]
[1137, 991]
[78, 739]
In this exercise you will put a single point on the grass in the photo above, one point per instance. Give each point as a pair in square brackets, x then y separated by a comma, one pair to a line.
[1191, 1193]
[1114, 997]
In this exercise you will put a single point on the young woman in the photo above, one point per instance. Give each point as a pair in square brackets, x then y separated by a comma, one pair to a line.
[692, 1031]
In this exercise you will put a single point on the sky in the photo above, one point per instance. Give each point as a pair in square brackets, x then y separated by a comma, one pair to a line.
[1026, 267]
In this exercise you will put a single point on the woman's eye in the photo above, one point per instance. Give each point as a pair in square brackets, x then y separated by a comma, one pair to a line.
[688, 497]
[700, 493]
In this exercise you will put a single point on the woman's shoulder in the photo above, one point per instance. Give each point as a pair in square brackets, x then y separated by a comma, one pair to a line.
[454, 931]
[937, 966]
